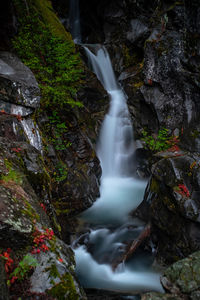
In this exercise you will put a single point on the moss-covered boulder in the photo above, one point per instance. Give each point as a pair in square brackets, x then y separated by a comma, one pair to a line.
[173, 197]
[159, 296]
[33, 255]
[55, 273]
[184, 275]
[181, 280]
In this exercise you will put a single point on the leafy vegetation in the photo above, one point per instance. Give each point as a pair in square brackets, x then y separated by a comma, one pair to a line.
[56, 136]
[48, 50]
[53, 60]
[12, 174]
[24, 267]
[60, 172]
[156, 143]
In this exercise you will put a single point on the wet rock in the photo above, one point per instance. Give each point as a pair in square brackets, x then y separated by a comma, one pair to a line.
[19, 209]
[183, 277]
[172, 196]
[162, 67]
[159, 296]
[17, 83]
[17, 110]
[137, 30]
[11, 129]
[23, 215]
[55, 274]
[4, 295]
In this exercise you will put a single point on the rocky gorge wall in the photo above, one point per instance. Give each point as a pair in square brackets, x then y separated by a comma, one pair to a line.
[155, 51]
[45, 182]
[49, 171]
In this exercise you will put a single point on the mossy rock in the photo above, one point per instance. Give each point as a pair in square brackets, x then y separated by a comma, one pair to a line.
[45, 9]
[184, 274]
[65, 289]
[159, 296]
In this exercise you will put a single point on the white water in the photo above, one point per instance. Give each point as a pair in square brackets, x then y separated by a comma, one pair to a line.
[75, 21]
[93, 275]
[120, 193]
[116, 145]
[31, 129]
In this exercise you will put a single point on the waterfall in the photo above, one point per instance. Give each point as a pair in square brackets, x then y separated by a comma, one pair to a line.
[75, 21]
[116, 145]
[120, 193]
[31, 129]
[119, 189]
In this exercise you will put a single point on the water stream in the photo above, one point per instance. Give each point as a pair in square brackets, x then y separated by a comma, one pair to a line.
[30, 128]
[120, 193]
[109, 225]
[75, 21]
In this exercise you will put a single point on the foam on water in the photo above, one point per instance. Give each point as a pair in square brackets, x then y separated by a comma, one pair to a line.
[94, 275]
[119, 196]
[120, 193]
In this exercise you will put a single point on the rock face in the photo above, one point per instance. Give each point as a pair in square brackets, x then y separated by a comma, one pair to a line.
[172, 196]
[155, 51]
[17, 83]
[3, 287]
[26, 212]
[181, 280]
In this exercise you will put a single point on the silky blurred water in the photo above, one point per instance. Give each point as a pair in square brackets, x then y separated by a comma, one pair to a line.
[120, 193]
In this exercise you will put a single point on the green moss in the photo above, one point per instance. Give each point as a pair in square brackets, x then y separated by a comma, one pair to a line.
[65, 289]
[12, 174]
[169, 204]
[29, 211]
[61, 207]
[45, 47]
[128, 60]
[56, 225]
[137, 85]
[156, 143]
[63, 211]
[154, 187]
[195, 134]
[45, 9]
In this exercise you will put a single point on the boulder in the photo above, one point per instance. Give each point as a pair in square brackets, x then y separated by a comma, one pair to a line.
[25, 228]
[181, 280]
[183, 277]
[55, 273]
[173, 198]
[17, 83]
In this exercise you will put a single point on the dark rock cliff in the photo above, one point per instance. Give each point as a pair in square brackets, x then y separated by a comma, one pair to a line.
[155, 50]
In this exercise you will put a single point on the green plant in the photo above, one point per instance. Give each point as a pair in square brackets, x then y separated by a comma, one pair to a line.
[12, 174]
[51, 57]
[21, 271]
[55, 131]
[156, 143]
[61, 172]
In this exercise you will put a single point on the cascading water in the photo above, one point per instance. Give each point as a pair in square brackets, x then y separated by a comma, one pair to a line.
[75, 21]
[115, 150]
[120, 194]
[31, 130]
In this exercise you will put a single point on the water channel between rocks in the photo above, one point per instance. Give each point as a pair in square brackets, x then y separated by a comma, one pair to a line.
[121, 192]
[109, 226]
